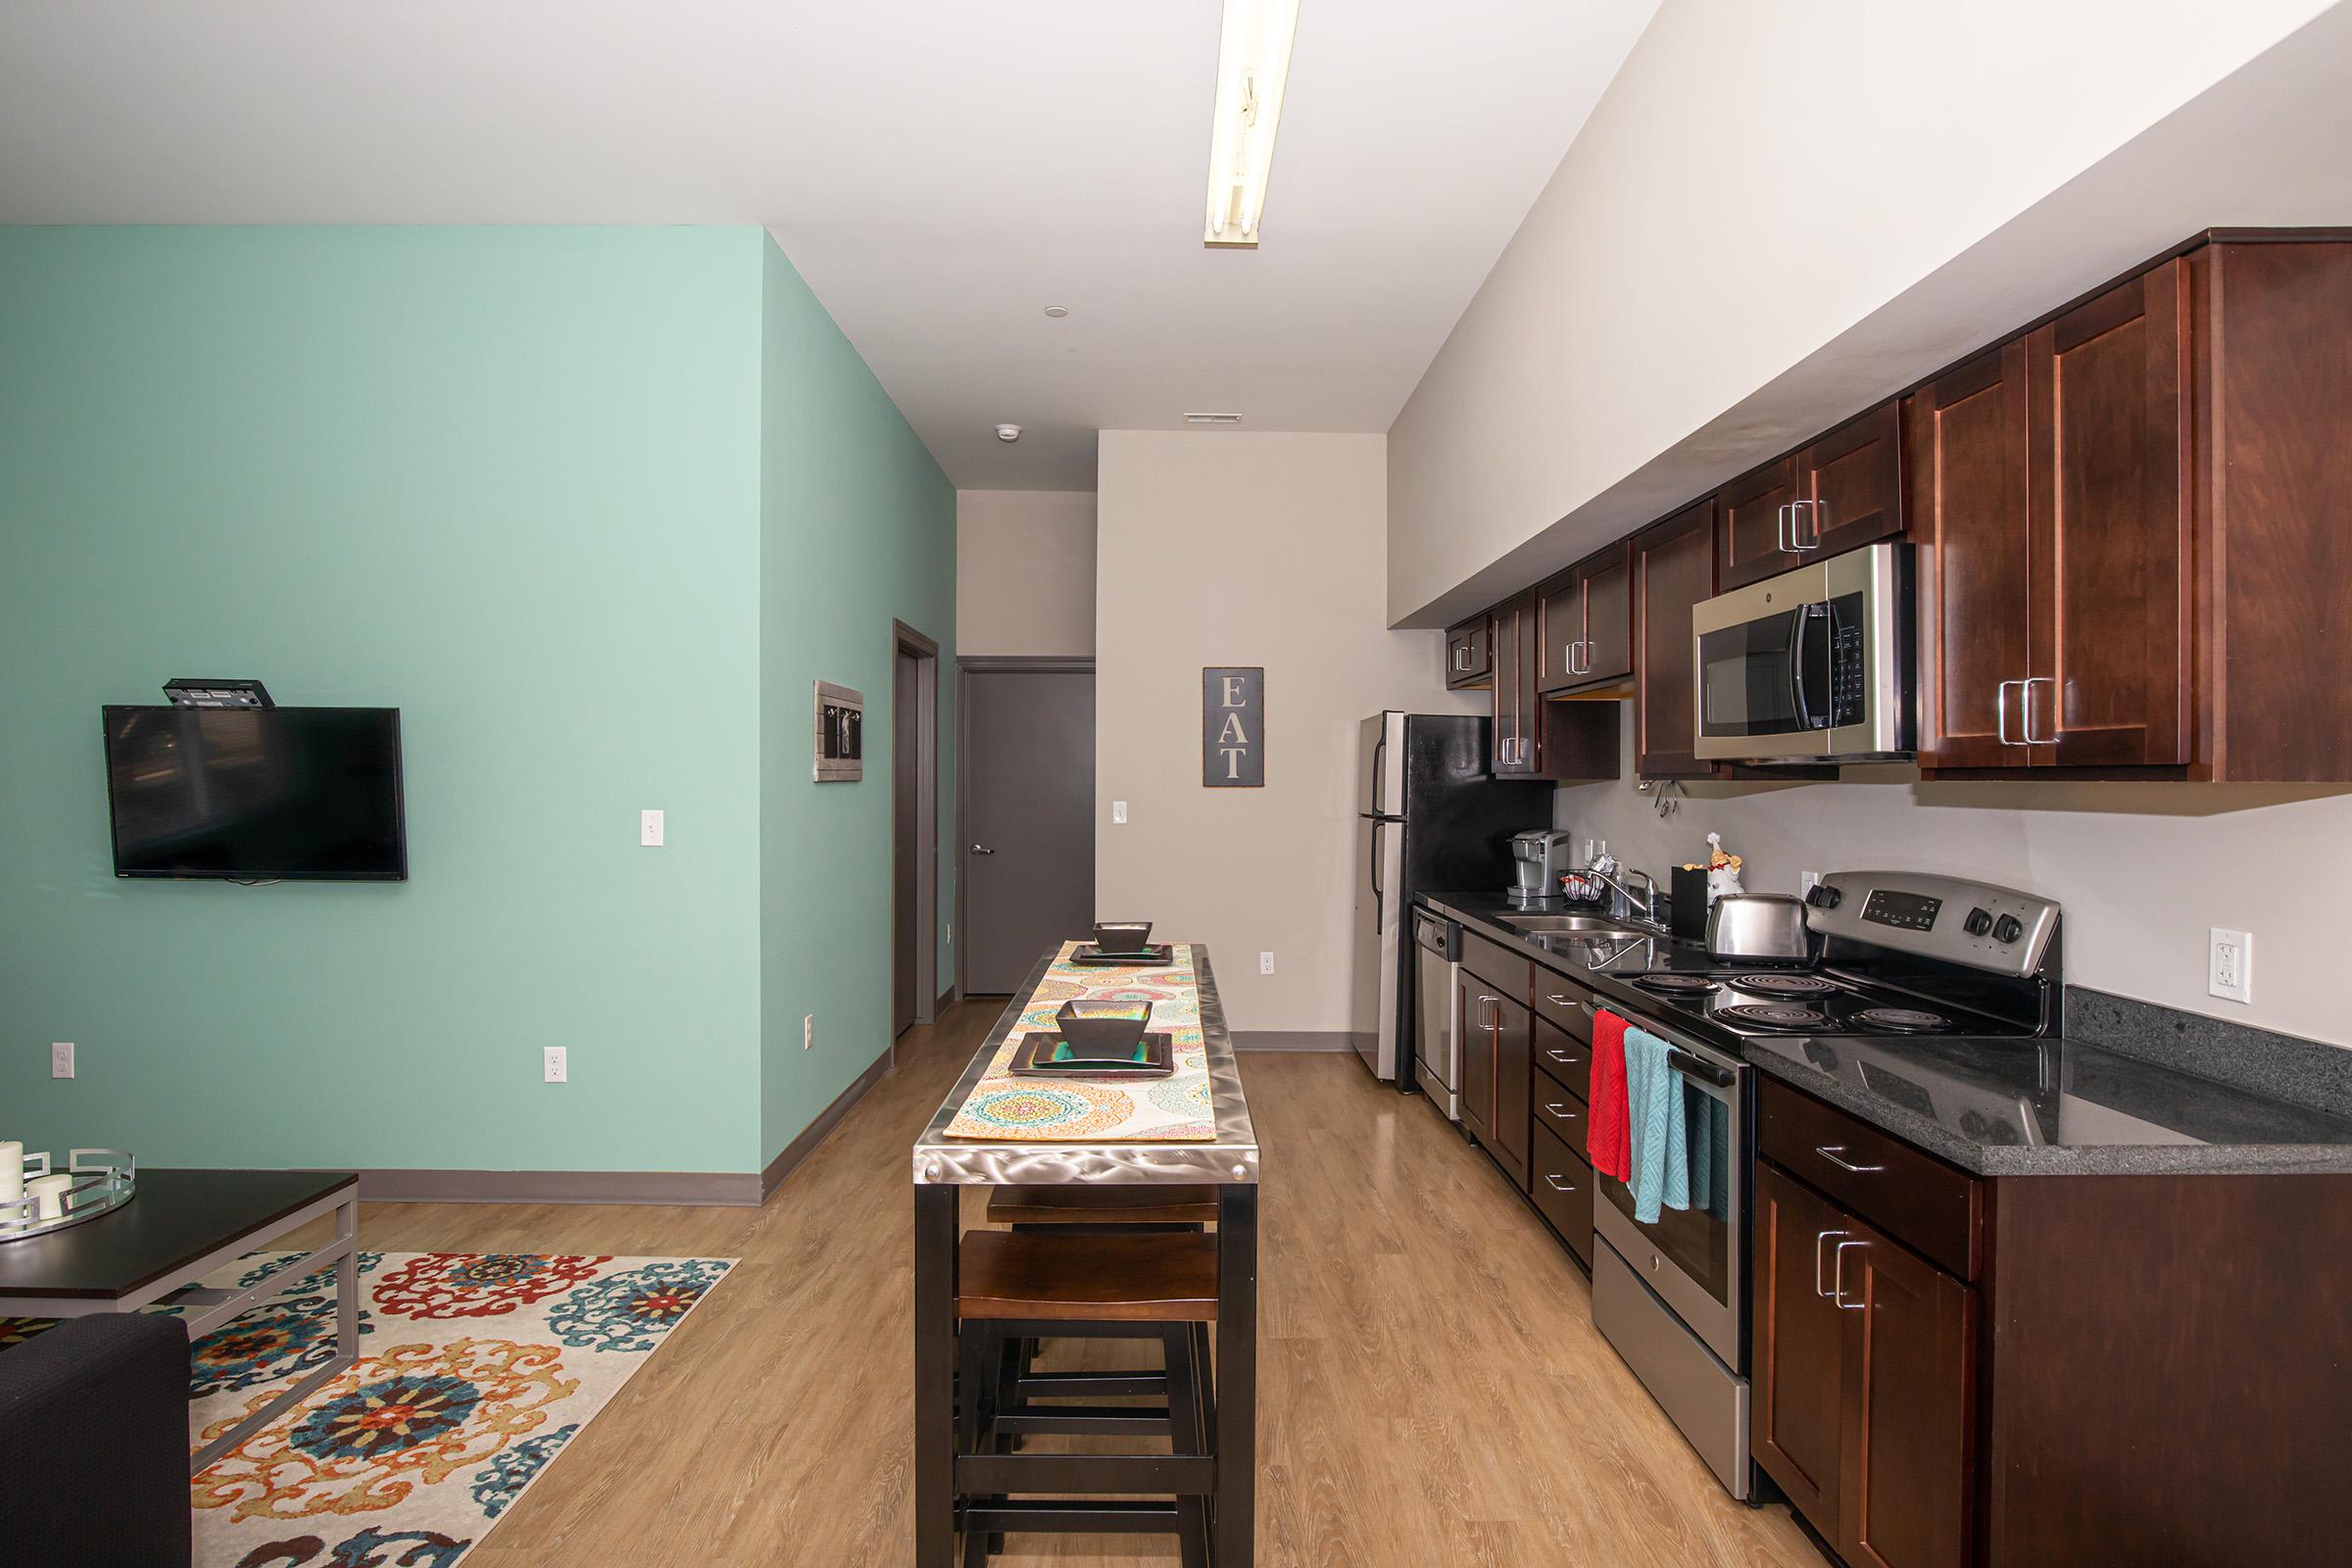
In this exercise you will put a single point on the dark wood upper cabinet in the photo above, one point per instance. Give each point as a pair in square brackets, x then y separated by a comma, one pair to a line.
[1970, 514]
[1754, 530]
[1586, 623]
[1673, 571]
[1516, 714]
[2110, 408]
[1849, 487]
[1797, 1425]
[1470, 653]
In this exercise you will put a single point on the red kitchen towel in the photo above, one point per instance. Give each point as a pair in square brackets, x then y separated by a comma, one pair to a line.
[1609, 1134]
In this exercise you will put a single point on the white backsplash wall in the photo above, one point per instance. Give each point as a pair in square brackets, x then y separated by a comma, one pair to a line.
[2145, 870]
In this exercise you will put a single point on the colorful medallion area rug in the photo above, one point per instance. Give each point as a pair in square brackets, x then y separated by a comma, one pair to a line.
[474, 1370]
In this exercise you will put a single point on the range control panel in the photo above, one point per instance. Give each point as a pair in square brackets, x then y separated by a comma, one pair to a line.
[1951, 918]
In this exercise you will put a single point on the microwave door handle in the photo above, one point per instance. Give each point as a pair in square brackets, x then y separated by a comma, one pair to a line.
[1796, 667]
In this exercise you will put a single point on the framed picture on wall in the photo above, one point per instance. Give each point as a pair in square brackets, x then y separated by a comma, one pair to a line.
[1232, 726]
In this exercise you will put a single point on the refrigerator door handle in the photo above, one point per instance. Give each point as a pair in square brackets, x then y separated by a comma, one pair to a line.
[1372, 870]
[1380, 771]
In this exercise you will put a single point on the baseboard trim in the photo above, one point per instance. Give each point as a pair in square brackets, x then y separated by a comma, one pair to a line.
[947, 999]
[667, 1188]
[802, 1147]
[1291, 1040]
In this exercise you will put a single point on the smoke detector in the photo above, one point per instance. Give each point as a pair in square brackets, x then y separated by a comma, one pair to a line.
[1009, 432]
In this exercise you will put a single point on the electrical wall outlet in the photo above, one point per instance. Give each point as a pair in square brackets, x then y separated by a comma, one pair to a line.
[649, 829]
[808, 1031]
[555, 1065]
[61, 1058]
[1118, 811]
[2230, 965]
[1265, 964]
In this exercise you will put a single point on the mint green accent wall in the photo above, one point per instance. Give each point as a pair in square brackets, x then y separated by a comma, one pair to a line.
[538, 489]
[858, 527]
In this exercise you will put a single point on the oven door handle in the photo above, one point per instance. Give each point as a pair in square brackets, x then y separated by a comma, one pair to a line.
[1706, 1072]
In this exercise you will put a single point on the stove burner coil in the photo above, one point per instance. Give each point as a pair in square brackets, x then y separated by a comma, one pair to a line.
[1784, 1016]
[1677, 985]
[1903, 1020]
[1786, 985]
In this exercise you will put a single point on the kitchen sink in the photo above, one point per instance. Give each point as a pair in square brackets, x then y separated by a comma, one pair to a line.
[1583, 925]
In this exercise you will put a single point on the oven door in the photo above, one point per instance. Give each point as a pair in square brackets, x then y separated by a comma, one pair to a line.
[1694, 1258]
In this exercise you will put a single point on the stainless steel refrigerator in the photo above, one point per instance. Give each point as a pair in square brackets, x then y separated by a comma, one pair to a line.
[1430, 818]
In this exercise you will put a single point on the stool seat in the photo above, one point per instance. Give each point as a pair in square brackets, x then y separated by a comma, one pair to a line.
[1071, 1204]
[1162, 1277]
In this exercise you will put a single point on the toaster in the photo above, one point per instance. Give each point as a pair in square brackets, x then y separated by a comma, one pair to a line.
[1767, 927]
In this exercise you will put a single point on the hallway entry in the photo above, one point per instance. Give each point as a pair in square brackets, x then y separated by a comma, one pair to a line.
[1026, 788]
[913, 828]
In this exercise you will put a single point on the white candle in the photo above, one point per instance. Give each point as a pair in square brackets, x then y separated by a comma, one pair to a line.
[49, 1195]
[11, 1171]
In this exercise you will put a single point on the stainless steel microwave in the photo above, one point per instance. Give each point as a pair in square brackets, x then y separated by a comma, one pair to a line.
[1812, 666]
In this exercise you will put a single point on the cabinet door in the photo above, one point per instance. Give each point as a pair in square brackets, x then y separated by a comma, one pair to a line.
[1514, 746]
[2111, 680]
[1481, 1018]
[1608, 580]
[1756, 524]
[1971, 513]
[1850, 485]
[1673, 569]
[1560, 633]
[1796, 1425]
[1909, 1370]
[1467, 654]
[1523, 647]
[1514, 1052]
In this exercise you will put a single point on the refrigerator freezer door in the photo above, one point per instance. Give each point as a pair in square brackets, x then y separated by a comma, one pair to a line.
[1380, 931]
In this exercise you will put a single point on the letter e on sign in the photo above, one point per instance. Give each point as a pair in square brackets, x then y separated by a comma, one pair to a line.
[1233, 727]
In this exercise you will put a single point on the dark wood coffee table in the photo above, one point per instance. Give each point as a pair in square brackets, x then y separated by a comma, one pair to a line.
[180, 1226]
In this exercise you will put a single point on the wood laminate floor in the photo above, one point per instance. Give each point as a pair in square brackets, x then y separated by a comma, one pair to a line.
[1432, 1391]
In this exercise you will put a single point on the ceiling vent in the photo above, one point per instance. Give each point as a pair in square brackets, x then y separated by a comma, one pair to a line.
[1212, 418]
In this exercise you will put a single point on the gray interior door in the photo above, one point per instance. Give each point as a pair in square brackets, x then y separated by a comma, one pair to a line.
[1029, 820]
[906, 840]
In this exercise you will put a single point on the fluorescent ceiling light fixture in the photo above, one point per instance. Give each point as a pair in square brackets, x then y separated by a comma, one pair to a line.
[1254, 61]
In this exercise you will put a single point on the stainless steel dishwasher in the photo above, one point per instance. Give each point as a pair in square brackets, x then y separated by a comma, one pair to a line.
[1438, 1011]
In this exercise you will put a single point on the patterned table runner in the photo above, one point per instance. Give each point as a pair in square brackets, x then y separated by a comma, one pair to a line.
[1175, 1109]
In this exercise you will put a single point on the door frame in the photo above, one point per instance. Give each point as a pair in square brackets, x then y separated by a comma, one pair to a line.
[991, 664]
[904, 639]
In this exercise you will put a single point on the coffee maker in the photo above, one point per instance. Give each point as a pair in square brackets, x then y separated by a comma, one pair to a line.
[1539, 856]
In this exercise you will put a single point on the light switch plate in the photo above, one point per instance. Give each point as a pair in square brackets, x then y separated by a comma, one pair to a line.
[2230, 965]
[650, 829]
[1118, 811]
[61, 1058]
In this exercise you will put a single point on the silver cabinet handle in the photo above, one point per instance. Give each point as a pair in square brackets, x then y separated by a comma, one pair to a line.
[1794, 507]
[1780, 527]
[1559, 1055]
[1557, 1001]
[1838, 1278]
[1831, 1152]
[2001, 710]
[2029, 684]
[1461, 656]
[1559, 1186]
[982, 848]
[1579, 658]
[1556, 1108]
[1493, 1011]
[1819, 1263]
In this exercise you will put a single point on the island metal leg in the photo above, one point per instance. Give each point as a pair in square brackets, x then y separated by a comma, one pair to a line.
[936, 1215]
[1235, 1527]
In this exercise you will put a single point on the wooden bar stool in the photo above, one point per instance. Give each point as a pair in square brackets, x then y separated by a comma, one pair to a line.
[1020, 1286]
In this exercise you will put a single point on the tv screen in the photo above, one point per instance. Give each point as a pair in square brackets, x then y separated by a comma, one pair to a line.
[257, 794]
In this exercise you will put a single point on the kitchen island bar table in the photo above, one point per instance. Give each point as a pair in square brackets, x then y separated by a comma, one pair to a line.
[944, 1165]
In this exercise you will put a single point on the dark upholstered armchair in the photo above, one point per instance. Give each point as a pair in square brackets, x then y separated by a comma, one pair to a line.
[94, 1422]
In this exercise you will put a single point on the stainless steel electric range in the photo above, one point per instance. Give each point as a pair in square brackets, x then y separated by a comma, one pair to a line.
[1906, 962]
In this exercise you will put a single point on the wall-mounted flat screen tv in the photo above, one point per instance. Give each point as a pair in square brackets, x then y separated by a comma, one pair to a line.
[261, 794]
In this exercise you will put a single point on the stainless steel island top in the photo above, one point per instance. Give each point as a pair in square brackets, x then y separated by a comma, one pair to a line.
[1230, 1156]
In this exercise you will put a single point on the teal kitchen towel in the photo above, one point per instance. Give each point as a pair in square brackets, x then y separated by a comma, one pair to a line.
[1661, 1149]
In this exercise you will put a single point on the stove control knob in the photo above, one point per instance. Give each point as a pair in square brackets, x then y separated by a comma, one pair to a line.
[1978, 922]
[2007, 929]
[1825, 896]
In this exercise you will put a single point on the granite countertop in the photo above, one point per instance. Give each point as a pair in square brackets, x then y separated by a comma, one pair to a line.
[1995, 1106]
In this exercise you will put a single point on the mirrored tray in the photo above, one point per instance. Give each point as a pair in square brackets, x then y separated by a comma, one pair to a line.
[104, 1179]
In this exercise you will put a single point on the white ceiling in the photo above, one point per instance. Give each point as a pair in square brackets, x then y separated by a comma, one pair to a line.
[939, 170]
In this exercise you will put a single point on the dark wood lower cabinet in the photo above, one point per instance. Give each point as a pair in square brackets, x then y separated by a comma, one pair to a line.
[1497, 1038]
[1561, 1184]
[1865, 1365]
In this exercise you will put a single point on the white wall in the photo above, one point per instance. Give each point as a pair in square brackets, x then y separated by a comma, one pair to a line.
[1233, 548]
[1780, 214]
[1025, 572]
[2145, 870]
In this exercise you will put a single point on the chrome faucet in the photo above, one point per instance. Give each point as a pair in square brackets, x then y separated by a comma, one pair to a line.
[1610, 873]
